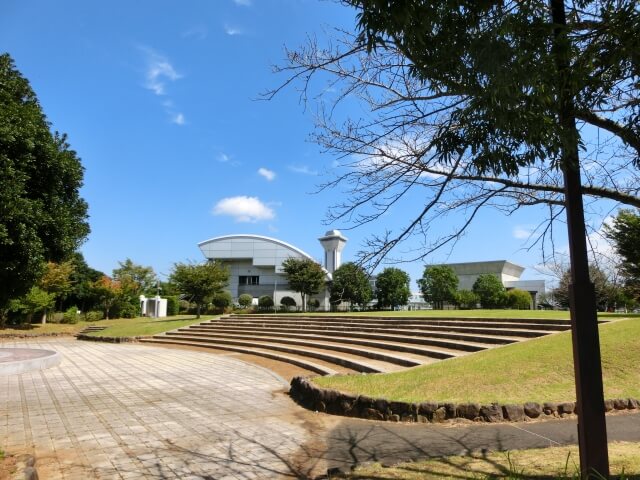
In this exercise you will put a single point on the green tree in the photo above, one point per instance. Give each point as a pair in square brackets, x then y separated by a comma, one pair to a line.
[36, 300]
[605, 294]
[519, 299]
[439, 284]
[56, 280]
[392, 288]
[142, 280]
[42, 217]
[245, 300]
[82, 276]
[288, 302]
[107, 293]
[466, 299]
[624, 232]
[200, 281]
[350, 284]
[304, 276]
[489, 290]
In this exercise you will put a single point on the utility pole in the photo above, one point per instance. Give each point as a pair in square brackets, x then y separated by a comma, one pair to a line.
[592, 429]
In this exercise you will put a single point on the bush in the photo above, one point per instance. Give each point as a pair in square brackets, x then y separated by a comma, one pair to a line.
[173, 306]
[126, 310]
[245, 300]
[313, 303]
[519, 299]
[221, 301]
[466, 299]
[265, 302]
[287, 302]
[93, 316]
[184, 306]
[70, 315]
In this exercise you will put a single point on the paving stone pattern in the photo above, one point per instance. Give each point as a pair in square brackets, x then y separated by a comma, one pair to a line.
[132, 411]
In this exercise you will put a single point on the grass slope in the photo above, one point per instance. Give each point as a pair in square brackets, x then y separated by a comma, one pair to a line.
[144, 326]
[535, 370]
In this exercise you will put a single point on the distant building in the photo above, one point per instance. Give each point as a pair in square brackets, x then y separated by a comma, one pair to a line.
[255, 263]
[508, 273]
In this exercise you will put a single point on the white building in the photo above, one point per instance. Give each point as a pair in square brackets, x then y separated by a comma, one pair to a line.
[255, 263]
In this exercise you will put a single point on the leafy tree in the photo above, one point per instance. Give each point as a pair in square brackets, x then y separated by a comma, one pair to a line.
[245, 300]
[36, 300]
[173, 305]
[56, 280]
[107, 292]
[42, 217]
[625, 234]
[350, 284]
[304, 276]
[439, 284]
[142, 280]
[489, 290]
[200, 281]
[605, 295]
[466, 299]
[265, 302]
[222, 300]
[392, 288]
[81, 278]
[519, 299]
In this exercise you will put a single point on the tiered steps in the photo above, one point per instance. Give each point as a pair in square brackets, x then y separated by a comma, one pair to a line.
[89, 329]
[333, 344]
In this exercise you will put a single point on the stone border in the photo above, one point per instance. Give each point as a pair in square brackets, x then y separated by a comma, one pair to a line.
[334, 402]
[4, 336]
[92, 338]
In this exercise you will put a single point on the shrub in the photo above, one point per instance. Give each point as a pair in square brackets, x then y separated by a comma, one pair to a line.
[245, 300]
[173, 306]
[127, 310]
[466, 299]
[519, 299]
[184, 305]
[288, 302]
[93, 316]
[265, 302]
[313, 303]
[222, 300]
[71, 315]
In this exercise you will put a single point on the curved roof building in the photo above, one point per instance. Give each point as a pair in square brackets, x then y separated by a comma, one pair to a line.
[255, 262]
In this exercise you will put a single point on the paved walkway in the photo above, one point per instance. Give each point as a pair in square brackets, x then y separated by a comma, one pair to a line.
[136, 411]
[133, 411]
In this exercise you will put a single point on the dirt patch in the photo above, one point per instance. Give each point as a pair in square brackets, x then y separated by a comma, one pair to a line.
[285, 370]
[7, 467]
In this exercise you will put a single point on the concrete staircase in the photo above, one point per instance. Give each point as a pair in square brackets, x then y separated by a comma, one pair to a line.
[342, 344]
[89, 329]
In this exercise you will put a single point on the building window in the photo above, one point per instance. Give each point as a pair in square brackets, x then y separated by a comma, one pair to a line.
[249, 280]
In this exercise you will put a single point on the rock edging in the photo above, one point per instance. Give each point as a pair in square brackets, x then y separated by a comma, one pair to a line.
[334, 402]
[92, 338]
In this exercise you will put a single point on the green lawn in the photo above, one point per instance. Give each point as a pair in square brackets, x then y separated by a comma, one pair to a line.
[119, 327]
[144, 326]
[542, 463]
[535, 370]
[499, 313]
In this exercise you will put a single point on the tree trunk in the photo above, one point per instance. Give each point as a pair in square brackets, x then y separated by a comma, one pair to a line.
[43, 320]
[198, 311]
[592, 430]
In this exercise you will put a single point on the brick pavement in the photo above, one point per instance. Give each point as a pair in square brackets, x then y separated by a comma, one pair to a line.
[132, 411]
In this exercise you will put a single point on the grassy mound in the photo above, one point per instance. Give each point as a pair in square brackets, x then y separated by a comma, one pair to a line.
[535, 370]
[145, 326]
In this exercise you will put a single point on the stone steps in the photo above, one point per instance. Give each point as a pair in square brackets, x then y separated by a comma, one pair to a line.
[336, 344]
[89, 329]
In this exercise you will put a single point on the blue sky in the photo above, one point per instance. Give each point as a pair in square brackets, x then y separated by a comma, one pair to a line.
[159, 100]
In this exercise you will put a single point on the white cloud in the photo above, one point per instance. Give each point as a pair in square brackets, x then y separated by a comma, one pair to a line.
[199, 31]
[522, 232]
[159, 71]
[178, 119]
[244, 209]
[232, 31]
[266, 173]
[223, 157]
[303, 169]
[242, 3]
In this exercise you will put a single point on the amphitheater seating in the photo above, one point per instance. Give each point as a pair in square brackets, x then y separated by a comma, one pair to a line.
[341, 344]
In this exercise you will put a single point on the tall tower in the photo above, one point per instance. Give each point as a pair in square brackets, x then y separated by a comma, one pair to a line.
[333, 242]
